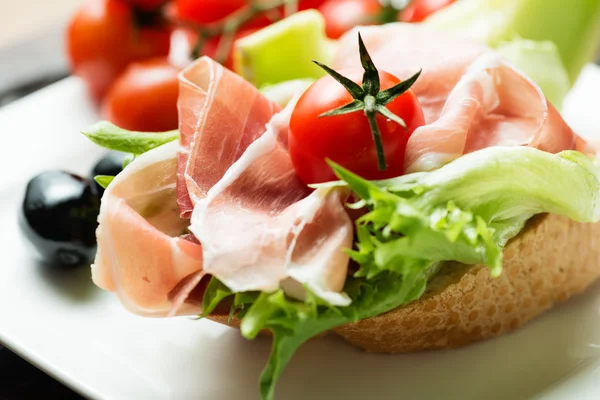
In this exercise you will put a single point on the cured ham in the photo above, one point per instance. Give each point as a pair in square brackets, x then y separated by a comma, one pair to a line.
[141, 255]
[492, 105]
[259, 226]
[254, 217]
[220, 114]
[470, 97]
[262, 229]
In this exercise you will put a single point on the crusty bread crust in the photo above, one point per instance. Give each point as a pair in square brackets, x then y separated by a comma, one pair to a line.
[552, 259]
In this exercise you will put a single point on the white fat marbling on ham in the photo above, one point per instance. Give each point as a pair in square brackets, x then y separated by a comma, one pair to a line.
[141, 255]
[260, 225]
[220, 114]
[259, 218]
[492, 105]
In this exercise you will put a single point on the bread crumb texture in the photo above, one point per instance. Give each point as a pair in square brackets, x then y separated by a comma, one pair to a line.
[552, 259]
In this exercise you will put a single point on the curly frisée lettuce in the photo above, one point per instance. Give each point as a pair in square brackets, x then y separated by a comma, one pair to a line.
[293, 322]
[465, 211]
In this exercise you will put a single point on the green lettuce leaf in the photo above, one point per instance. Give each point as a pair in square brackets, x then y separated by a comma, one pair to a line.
[573, 26]
[104, 180]
[465, 211]
[293, 322]
[215, 292]
[283, 51]
[111, 137]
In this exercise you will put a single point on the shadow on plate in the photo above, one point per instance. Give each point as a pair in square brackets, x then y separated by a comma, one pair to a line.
[75, 283]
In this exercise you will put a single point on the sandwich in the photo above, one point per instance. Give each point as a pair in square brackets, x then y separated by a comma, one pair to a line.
[423, 194]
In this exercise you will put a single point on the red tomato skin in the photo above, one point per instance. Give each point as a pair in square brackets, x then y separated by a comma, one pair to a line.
[308, 4]
[206, 11]
[343, 15]
[144, 97]
[418, 10]
[347, 139]
[102, 40]
[210, 11]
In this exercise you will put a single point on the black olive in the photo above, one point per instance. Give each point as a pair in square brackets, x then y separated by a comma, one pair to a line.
[111, 164]
[59, 218]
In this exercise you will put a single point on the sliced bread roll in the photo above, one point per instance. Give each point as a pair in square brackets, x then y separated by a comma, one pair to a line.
[552, 259]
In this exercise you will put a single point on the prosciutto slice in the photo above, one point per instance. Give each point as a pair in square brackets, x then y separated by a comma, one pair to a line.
[141, 255]
[492, 105]
[471, 98]
[220, 114]
[262, 229]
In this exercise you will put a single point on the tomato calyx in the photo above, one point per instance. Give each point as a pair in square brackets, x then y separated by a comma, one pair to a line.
[369, 98]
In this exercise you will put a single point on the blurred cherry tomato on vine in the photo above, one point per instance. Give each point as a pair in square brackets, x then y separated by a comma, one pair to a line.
[105, 36]
[210, 11]
[144, 98]
[203, 12]
[206, 11]
[343, 15]
[307, 4]
[212, 44]
[147, 5]
[418, 10]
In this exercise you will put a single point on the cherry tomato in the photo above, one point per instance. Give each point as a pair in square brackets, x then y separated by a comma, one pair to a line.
[206, 11]
[418, 10]
[347, 139]
[308, 4]
[144, 98]
[343, 15]
[210, 11]
[147, 5]
[103, 38]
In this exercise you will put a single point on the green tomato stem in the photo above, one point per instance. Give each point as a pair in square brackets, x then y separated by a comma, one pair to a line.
[371, 114]
[369, 98]
[230, 25]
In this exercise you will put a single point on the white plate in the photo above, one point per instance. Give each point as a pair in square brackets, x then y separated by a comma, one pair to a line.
[82, 336]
